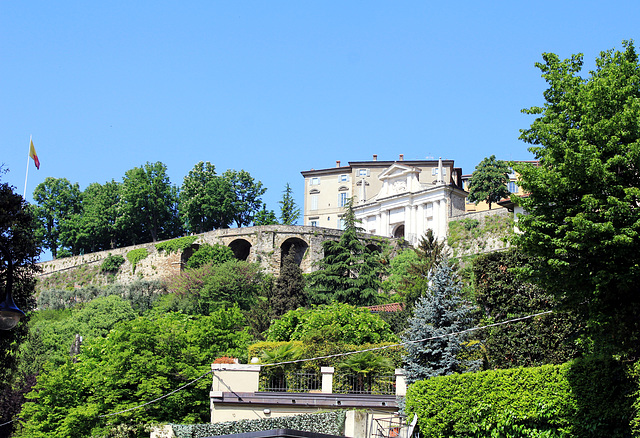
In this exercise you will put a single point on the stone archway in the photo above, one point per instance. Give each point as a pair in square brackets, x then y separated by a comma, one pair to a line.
[241, 249]
[398, 231]
[300, 245]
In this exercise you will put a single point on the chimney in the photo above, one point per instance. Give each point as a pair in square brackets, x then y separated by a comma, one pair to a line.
[337, 163]
[375, 157]
[401, 157]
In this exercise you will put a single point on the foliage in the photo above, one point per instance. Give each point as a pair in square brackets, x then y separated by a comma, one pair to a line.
[175, 245]
[331, 423]
[112, 263]
[247, 193]
[350, 272]
[138, 361]
[366, 363]
[429, 254]
[209, 287]
[148, 204]
[265, 217]
[398, 267]
[583, 219]
[437, 318]
[337, 323]
[489, 181]
[288, 292]
[471, 235]
[18, 253]
[585, 398]
[206, 200]
[140, 293]
[215, 254]
[56, 200]
[289, 211]
[501, 294]
[135, 255]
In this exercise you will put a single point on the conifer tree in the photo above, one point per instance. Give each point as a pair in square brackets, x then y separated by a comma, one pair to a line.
[288, 292]
[439, 313]
[349, 272]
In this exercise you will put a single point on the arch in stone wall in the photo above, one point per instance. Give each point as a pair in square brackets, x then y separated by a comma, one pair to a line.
[187, 253]
[398, 231]
[301, 248]
[241, 248]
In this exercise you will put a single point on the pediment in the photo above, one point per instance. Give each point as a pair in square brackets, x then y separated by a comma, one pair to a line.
[397, 170]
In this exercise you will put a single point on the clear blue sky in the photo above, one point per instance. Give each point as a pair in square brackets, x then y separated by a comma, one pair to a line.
[279, 87]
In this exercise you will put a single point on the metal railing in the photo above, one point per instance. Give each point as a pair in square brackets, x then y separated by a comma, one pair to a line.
[360, 384]
[291, 382]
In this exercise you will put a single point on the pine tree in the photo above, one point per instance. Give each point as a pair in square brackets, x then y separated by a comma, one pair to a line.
[349, 272]
[439, 313]
[430, 253]
[289, 211]
[288, 293]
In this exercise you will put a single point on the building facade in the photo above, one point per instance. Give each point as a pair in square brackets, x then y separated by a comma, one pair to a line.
[392, 198]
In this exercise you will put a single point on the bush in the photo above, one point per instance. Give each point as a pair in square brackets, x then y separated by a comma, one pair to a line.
[175, 245]
[584, 398]
[210, 254]
[112, 263]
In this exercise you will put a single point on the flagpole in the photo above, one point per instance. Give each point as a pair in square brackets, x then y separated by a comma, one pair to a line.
[24, 194]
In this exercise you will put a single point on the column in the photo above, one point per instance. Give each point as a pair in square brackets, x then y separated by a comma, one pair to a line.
[327, 379]
[408, 224]
[384, 226]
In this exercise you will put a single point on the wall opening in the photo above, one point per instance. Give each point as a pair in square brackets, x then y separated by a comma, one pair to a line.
[300, 247]
[399, 231]
[241, 249]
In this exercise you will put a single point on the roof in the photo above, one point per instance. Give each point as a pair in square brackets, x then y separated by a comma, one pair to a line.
[391, 307]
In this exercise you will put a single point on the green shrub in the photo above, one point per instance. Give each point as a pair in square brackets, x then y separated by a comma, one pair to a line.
[112, 263]
[583, 398]
[331, 423]
[135, 255]
[176, 245]
[210, 254]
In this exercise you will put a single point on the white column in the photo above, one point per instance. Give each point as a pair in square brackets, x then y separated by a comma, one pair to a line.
[408, 224]
[442, 216]
[384, 226]
[420, 222]
[327, 379]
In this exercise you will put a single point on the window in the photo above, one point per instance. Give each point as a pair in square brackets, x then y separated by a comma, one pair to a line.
[342, 199]
[313, 223]
[513, 187]
[314, 201]
[343, 178]
[363, 172]
[315, 181]
[340, 223]
[434, 171]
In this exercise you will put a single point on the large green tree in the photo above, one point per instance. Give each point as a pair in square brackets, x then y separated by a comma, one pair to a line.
[583, 203]
[265, 217]
[247, 193]
[206, 199]
[489, 181]
[19, 250]
[148, 204]
[289, 211]
[57, 200]
[350, 271]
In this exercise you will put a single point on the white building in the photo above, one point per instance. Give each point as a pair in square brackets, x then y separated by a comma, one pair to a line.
[392, 198]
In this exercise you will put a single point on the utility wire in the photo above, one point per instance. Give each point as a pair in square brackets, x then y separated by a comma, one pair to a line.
[522, 318]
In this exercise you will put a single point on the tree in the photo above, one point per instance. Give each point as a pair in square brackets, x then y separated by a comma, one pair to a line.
[247, 193]
[288, 293]
[289, 211]
[19, 250]
[350, 271]
[57, 200]
[437, 317]
[139, 360]
[583, 202]
[429, 254]
[148, 204]
[265, 217]
[335, 323]
[206, 200]
[501, 294]
[489, 181]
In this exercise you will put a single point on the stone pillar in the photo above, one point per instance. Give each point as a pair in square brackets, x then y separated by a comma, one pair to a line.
[443, 219]
[327, 379]
[235, 377]
[408, 224]
[401, 383]
[384, 226]
[420, 218]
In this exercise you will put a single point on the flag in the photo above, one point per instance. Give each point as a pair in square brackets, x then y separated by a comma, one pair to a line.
[32, 154]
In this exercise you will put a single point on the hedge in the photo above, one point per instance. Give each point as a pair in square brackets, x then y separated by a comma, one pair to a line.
[331, 423]
[585, 398]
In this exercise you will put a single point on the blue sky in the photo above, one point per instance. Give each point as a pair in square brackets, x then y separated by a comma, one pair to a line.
[279, 87]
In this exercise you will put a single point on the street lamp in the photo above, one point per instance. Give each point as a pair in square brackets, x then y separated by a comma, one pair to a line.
[10, 315]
